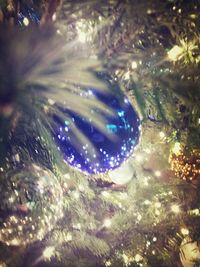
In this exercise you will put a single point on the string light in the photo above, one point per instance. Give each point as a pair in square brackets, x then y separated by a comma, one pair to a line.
[138, 258]
[154, 239]
[123, 195]
[51, 102]
[66, 176]
[193, 16]
[108, 263]
[195, 212]
[82, 37]
[11, 199]
[15, 242]
[84, 31]
[134, 65]
[107, 222]
[139, 217]
[146, 181]
[127, 75]
[105, 194]
[147, 202]
[158, 205]
[183, 51]
[157, 212]
[26, 21]
[175, 208]
[147, 150]
[54, 17]
[127, 259]
[162, 135]
[148, 243]
[48, 252]
[77, 226]
[65, 185]
[81, 188]
[138, 158]
[157, 173]
[184, 231]
[175, 53]
[177, 148]
[69, 237]
[76, 194]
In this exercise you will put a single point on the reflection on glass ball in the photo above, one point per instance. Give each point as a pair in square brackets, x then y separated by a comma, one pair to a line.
[107, 148]
[31, 203]
[123, 174]
[27, 15]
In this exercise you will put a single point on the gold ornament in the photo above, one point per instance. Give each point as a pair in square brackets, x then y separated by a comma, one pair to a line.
[186, 165]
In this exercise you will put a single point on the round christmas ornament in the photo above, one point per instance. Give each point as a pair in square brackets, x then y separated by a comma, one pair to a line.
[102, 149]
[186, 165]
[123, 174]
[31, 203]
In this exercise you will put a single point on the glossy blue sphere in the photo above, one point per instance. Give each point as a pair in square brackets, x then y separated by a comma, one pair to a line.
[110, 147]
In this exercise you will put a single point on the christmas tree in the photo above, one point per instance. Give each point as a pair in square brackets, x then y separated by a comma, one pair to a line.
[99, 133]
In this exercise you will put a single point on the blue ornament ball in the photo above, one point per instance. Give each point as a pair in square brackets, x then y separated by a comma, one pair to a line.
[108, 148]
